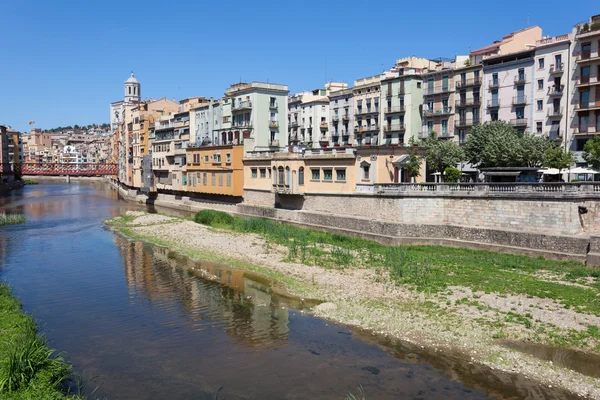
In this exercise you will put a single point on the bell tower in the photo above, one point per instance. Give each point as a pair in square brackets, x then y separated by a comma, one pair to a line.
[132, 90]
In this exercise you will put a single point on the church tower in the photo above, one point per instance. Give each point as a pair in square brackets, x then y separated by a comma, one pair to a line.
[132, 90]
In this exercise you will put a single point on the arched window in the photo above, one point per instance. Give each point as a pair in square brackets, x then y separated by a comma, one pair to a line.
[301, 176]
[129, 89]
[288, 176]
[281, 176]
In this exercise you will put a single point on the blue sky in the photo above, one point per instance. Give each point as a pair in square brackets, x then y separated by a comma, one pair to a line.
[64, 61]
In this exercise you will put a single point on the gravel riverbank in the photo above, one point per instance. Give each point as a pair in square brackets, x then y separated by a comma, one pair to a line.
[457, 317]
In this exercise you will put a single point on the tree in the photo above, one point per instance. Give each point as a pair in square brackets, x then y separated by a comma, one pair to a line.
[413, 166]
[559, 158]
[452, 175]
[532, 150]
[494, 144]
[591, 152]
[442, 154]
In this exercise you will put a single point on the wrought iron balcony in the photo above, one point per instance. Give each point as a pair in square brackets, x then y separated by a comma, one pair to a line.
[324, 126]
[371, 128]
[519, 100]
[462, 103]
[273, 104]
[518, 122]
[346, 117]
[335, 119]
[438, 112]
[273, 124]
[494, 84]
[554, 91]
[520, 80]
[293, 124]
[466, 122]
[242, 105]
[555, 112]
[392, 110]
[429, 91]
[394, 128]
[463, 83]
[556, 69]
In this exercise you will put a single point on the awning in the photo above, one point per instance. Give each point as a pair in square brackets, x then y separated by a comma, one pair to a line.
[400, 160]
[581, 170]
[502, 173]
[552, 171]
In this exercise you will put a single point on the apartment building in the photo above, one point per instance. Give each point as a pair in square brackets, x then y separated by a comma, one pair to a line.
[468, 83]
[586, 79]
[509, 89]
[367, 111]
[215, 170]
[439, 98]
[15, 147]
[205, 123]
[341, 117]
[514, 42]
[258, 116]
[552, 109]
[5, 171]
[402, 99]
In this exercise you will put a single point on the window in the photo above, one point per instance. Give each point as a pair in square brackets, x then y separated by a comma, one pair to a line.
[327, 174]
[263, 172]
[444, 126]
[340, 174]
[538, 127]
[520, 112]
[316, 174]
[584, 99]
[521, 74]
[220, 178]
[494, 115]
[228, 179]
[366, 175]
[228, 158]
[418, 85]
[540, 63]
[540, 84]
[540, 105]
[254, 171]
[281, 176]
[301, 176]
[205, 158]
[213, 179]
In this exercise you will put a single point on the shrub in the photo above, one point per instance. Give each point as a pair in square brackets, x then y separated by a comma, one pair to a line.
[213, 217]
[452, 175]
[595, 26]
[12, 219]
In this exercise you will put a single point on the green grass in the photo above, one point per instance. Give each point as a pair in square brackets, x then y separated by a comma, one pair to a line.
[425, 268]
[12, 219]
[29, 369]
[30, 182]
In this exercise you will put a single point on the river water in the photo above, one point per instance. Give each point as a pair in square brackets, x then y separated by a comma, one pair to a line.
[134, 317]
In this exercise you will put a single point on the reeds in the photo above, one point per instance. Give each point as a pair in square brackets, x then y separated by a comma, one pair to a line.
[12, 219]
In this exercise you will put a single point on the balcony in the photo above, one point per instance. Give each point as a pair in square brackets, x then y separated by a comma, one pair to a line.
[556, 69]
[390, 93]
[462, 103]
[335, 119]
[555, 112]
[242, 106]
[273, 124]
[494, 84]
[293, 124]
[438, 112]
[586, 56]
[394, 128]
[394, 110]
[463, 83]
[520, 80]
[466, 122]
[554, 134]
[273, 105]
[430, 91]
[554, 91]
[371, 128]
[240, 125]
[589, 106]
[324, 126]
[519, 122]
[346, 117]
[368, 110]
[359, 129]
[274, 143]
[519, 100]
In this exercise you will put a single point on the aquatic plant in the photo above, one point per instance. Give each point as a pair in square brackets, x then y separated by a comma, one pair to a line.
[361, 394]
[12, 219]
[30, 182]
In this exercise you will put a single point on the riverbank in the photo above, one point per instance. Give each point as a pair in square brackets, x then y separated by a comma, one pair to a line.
[443, 298]
[28, 368]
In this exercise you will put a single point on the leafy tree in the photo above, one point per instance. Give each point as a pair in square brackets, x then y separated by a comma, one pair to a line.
[442, 154]
[452, 175]
[591, 152]
[413, 166]
[493, 144]
[559, 158]
[532, 150]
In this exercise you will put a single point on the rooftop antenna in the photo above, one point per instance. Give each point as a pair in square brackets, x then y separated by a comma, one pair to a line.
[527, 20]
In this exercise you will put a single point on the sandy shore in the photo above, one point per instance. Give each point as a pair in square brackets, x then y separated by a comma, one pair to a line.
[363, 298]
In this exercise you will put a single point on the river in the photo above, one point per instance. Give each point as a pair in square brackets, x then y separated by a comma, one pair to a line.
[132, 316]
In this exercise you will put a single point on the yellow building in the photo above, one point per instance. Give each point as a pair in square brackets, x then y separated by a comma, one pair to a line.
[217, 170]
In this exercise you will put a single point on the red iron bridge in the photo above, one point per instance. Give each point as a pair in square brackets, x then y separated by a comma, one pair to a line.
[69, 169]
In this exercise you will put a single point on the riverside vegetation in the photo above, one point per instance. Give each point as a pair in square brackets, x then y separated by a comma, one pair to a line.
[438, 296]
[12, 219]
[29, 369]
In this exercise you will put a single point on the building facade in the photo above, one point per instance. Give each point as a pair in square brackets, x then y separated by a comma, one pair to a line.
[215, 170]
[367, 111]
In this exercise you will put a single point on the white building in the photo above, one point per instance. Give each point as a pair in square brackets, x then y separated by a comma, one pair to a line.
[206, 124]
[341, 116]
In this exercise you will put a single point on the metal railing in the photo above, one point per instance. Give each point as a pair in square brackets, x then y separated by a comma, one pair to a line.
[557, 69]
[462, 83]
[562, 189]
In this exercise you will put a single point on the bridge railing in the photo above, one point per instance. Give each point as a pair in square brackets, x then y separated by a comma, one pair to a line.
[87, 169]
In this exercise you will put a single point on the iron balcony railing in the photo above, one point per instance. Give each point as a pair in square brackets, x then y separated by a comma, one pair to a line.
[555, 112]
[394, 128]
[438, 112]
[475, 102]
[466, 122]
[494, 83]
[555, 91]
[520, 80]
[493, 103]
[463, 83]
[396, 109]
[519, 100]
[557, 68]
[428, 91]
[242, 105]
[518, 122]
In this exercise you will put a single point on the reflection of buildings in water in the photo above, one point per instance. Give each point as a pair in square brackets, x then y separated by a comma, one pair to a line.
[43, 206]
[252, 316]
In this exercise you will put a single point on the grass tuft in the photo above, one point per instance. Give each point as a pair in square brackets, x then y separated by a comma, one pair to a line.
[12, 219]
